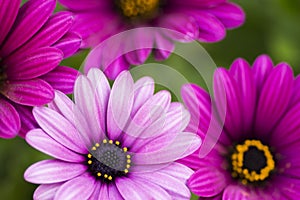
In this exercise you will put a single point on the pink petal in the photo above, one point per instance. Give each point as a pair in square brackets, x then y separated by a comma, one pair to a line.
[32, 16]
[53, 171]
[33, 92]
[34, 64]
[10, 123]
[46, 191]
[8, 14]
[183, 145]
[119, 105]
[104, 192]
[116, 67]
[113, 192]
[163, 46]
[62, 78]
[140, 189]
[69, 44]
[274, 99]
[39, 140]
[59, 128]
[233, 192]
[80, 187]
[143, 90]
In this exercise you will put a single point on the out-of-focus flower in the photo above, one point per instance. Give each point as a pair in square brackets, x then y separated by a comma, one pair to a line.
[256, 154]
[203, 20]
[32, 44]
[119, 143]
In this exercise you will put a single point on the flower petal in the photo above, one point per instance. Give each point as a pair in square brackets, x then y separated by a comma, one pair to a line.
[39, 140]
[8, 14]
[234, 192]
[10, 123]
[69, 44]
[62, 78]
[46, 191]
[34, 64]
[242, 73]
[274, 99]
[163, 46]
[262, 68]
[59, 128]
[32, 16]
[119, 105]
[35, 92]
[78, 188]
[57, 26]
[181, 146]
[53, 171]
[207, 181]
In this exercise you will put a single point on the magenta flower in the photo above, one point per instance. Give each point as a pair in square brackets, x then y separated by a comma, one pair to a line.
[32, 44]
[119, 143]
[256, 154]
[203, 20]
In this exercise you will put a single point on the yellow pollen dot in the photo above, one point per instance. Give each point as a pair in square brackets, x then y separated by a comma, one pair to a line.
[128, 156]
[99, 174]
[126, 171]
[110, 141]
[128, 161]
[105, 141]
[94, 148]
[125, 149]
[90, 162]
[97, 145]
[117, 143]
[105, 176]
[127, 166]
[89, 155]
[110, 178]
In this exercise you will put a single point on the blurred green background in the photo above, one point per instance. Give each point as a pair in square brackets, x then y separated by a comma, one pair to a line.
[272, 27]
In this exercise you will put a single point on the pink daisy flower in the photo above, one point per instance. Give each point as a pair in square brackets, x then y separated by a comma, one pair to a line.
[32, 44]
[119, 143]
[202, 20]
[256, 154]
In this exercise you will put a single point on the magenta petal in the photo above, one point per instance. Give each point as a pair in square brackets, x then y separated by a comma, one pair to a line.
[62, 78]
[295, 98]
[163, 47]
[31, 17]
[69, 44]
[34, 92]
[231, 15]
[116, 67]
[274, 99]
[53, 171]
[113, 192]
[10, 123]
[243, 75]
[33, 64]
[39, 140]
[210, 27]
[228, 100]
[83, 4]
[262, 68]
[27, 120]
[80, 187]
[234, 192]
[46, 191]
[57, 26]
[207, 181]
[8, 14]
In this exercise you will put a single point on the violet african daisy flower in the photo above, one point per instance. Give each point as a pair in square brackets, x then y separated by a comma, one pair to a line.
[32, 44]
[119, 143]
[256, 154]
[203, 20]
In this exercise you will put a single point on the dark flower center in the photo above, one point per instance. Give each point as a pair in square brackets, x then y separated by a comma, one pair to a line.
[3, 76]
[252, 162]
[136, 10]
[108, 160]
